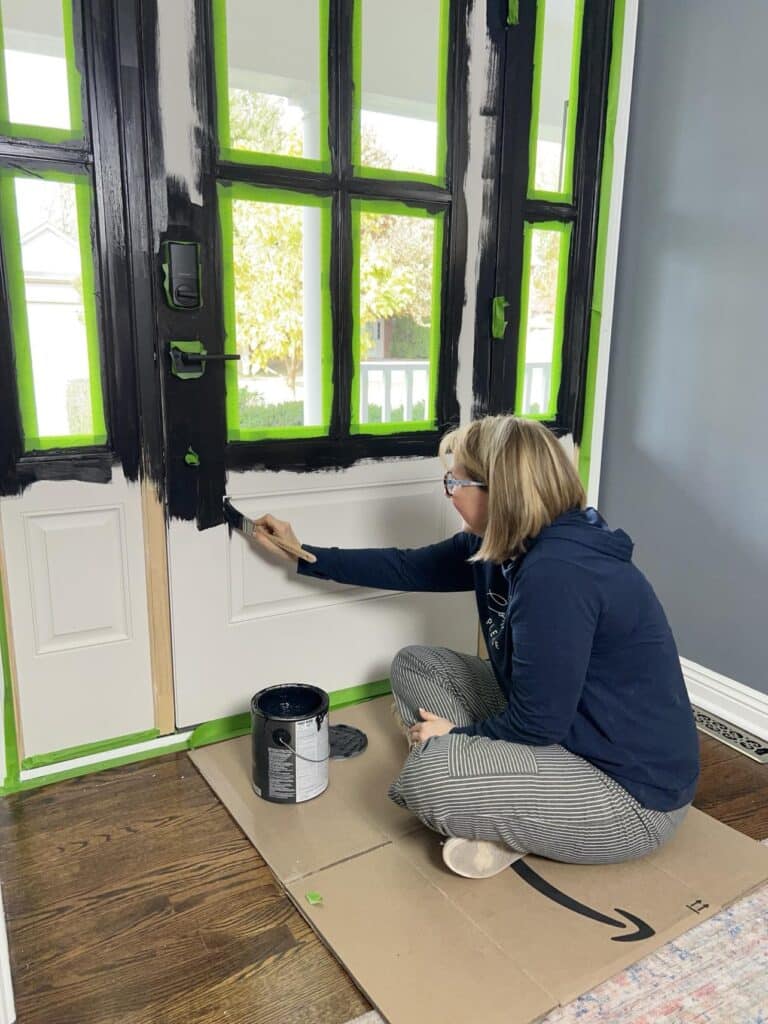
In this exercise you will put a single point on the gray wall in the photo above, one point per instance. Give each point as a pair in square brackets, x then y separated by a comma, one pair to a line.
[685, 462]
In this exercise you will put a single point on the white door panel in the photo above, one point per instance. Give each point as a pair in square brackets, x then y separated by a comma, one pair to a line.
[75, 563]
[241, 622]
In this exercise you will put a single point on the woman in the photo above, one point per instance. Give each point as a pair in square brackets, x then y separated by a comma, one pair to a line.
[576, 741]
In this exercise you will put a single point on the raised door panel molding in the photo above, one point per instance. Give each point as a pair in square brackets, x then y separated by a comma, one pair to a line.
[393, 514]
[78, 578]
[241, 623]
[74, 554]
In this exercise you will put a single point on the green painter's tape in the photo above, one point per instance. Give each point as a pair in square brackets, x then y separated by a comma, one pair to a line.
[513, 12]
[3, 81]
[252, 193]
[439, 257]
[314, 899]
[606, 179]
[208, 732]
[443, 72]
[70, 753]
[33, 441]
[220, 729]
[239, 725]
[498, 322]
[221, 68]
[53, 442]
[357, 84]
[11, 767]
[221, 72]
[88, 769]
[74, 79]
[566, 195]
[557, 339]
[358, 694]
[11, 243]
[399, 209]
[84, 222]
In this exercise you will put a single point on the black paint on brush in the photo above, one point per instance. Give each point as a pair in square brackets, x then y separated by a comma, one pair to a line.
[234, 519]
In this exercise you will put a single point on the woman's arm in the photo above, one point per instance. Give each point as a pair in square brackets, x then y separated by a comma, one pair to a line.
[553, 618]
[437, 567]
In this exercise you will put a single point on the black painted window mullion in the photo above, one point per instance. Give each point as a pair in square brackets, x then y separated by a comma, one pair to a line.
[515, 118]
[588, 159]
[342, 447]
[515, 209]
[94, 40]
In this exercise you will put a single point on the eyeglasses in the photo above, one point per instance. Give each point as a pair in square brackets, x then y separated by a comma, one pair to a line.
[450, 483]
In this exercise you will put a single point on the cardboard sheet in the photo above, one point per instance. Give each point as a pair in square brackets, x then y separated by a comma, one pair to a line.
[425, 944]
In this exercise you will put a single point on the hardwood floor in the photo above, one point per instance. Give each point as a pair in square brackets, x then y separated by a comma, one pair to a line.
[133, 898]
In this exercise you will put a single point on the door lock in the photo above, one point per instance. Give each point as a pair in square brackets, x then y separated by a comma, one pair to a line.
[188, 358]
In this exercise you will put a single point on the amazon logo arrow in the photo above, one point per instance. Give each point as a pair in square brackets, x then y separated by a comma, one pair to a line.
[643, 930]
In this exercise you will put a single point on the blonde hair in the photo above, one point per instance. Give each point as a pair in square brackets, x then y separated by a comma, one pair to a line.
[529, 477]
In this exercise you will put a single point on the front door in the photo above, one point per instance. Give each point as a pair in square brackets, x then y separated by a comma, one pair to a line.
[77, 660]
[312, 226]
[341, 284]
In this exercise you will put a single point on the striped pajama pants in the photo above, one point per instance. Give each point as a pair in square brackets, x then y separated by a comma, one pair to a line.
[541, 800]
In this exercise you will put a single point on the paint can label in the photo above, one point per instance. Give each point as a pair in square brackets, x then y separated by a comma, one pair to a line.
[312, 744]
[281, 774]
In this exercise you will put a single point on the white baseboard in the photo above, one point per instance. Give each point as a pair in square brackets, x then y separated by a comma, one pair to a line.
[7, 1007]
[736, 703]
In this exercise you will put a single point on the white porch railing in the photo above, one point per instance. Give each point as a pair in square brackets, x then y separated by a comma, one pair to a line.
[393, 394]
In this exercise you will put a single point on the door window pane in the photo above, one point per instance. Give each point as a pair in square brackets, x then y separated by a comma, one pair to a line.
[397, 316]
[46, 241]
[401, 54]
[541, 324]
[277, 312]
[555, 96]
[271, 79]
[42, 85]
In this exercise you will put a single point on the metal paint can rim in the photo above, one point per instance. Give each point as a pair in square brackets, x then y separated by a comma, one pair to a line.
[320, 710]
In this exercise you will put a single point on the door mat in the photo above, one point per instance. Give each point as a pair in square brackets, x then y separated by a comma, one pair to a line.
[424, 944]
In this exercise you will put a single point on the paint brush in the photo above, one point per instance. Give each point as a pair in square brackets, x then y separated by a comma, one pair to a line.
[241, 522]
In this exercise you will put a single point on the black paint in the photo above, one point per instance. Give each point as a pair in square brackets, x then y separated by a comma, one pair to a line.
[506, 208]
[92, 465]
[135, 126]
[597, 34]
[100, 157]
[152, 417]
[492, 112]
[194, 410]
[642, 929]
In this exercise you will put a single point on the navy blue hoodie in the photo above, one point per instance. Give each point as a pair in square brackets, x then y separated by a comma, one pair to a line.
[578, 641]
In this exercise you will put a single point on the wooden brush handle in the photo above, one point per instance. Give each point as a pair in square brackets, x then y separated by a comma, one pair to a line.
[286, 545]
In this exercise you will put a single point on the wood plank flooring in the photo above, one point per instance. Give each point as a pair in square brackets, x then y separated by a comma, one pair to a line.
[133, 898]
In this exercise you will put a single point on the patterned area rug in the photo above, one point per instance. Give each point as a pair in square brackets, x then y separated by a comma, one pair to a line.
[716, 973]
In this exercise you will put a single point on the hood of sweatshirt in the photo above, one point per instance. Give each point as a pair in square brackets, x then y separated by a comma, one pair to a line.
[587, 528]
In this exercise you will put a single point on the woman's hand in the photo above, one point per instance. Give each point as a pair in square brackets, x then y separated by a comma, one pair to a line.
[432, 725]
[268, 527]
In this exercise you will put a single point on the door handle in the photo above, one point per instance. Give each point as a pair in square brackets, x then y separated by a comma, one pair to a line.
[188, 358]
[201, 357]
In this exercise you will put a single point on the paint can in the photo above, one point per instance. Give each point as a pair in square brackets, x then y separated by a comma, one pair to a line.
[289, 742]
